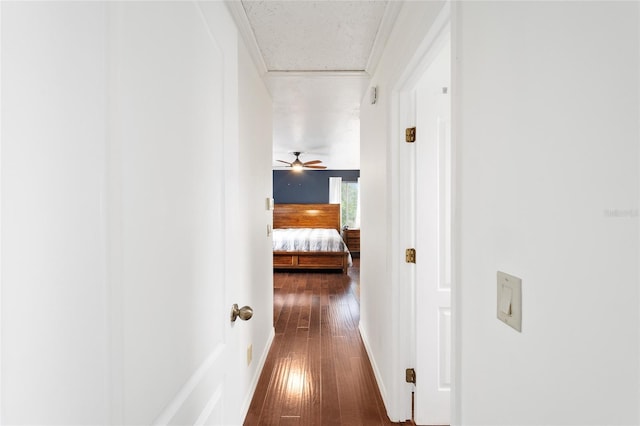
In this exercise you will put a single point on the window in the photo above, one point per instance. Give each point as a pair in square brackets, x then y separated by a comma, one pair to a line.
[350, 204]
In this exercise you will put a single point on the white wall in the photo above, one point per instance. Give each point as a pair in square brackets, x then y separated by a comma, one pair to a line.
[54, 307]
[378, 162]
[547, 135]
[546, 127]
[255, 266]
[123, 182]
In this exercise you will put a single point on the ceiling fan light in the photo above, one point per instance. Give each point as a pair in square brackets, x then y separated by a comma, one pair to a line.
[297, 165]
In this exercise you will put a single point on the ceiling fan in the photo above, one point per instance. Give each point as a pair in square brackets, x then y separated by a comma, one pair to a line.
[298, 165]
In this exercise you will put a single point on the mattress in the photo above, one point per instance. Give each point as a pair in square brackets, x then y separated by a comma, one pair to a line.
[307, 239]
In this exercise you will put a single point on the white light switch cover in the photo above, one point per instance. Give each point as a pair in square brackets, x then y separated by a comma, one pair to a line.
[509, 304]
[506, 298]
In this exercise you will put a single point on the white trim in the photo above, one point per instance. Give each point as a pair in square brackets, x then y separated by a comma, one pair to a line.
[638, 94]
[456, 293]
[376, 370]
[387, 23]
[426, 51]
[396, 385]
[402, 116]
[254, 382]
[403, 223]
[319, 74]
[239, 15]
[187, 389]
[1, 268]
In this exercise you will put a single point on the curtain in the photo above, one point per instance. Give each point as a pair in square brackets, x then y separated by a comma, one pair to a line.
[335, 190]
[357, 222]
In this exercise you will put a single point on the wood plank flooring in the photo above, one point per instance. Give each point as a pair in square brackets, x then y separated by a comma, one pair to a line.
[317, 371]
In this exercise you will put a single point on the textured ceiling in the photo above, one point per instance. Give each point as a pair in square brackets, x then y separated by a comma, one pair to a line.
[316, 57]
[315, 35]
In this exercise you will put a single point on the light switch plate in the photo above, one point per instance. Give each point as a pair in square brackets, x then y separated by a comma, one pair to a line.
[509, 305]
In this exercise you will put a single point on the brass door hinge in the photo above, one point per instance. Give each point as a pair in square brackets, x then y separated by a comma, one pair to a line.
[410, 375]
[410, 134]
[410, 255]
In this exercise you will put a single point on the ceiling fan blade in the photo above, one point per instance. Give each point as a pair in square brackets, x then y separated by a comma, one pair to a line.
[306, 163]
[315, 167]
[285, 162]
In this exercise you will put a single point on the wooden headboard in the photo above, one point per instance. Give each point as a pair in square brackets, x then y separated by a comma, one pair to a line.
[307, 216]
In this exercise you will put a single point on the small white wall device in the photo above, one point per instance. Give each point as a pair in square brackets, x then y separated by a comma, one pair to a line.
[509, 307]
[373, 95]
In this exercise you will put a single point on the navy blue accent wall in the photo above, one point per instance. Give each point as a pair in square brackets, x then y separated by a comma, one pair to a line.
[307, 187]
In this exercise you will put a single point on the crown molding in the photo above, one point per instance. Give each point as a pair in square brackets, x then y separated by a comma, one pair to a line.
[318, 74]
[239, 15]
[384, 30]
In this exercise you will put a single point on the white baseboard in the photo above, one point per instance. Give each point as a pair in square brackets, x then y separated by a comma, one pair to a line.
[256, 377]
[376, 370]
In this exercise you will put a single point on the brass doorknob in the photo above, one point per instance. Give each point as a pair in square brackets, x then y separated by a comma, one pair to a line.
[245, 313]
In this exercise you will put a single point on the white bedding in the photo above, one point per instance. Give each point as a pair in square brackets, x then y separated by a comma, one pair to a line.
[307, 239]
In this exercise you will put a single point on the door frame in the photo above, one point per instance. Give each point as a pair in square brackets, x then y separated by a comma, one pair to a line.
[433, 273]
[1, 365]
[1, 257]
[403, 169]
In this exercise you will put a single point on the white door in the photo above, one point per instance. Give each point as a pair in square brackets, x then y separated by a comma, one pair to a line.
[116, 123]
[174, 84]
[433, 244]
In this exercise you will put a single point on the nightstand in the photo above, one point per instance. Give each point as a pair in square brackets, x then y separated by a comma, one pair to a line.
[351, 237]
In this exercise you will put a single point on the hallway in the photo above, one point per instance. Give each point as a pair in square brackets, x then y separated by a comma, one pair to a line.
[317, 371]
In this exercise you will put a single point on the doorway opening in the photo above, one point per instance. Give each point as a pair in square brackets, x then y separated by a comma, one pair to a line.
[424, 180]
[433, 204]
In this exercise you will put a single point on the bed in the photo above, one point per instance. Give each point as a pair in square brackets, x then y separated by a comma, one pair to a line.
[321, 246]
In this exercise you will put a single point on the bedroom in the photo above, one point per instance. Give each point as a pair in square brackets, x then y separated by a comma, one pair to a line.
[322, 199]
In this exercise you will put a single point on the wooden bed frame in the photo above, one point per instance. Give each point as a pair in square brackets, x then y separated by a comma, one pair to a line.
[308, 216]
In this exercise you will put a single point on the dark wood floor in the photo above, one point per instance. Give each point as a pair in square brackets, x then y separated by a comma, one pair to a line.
[317, 371]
